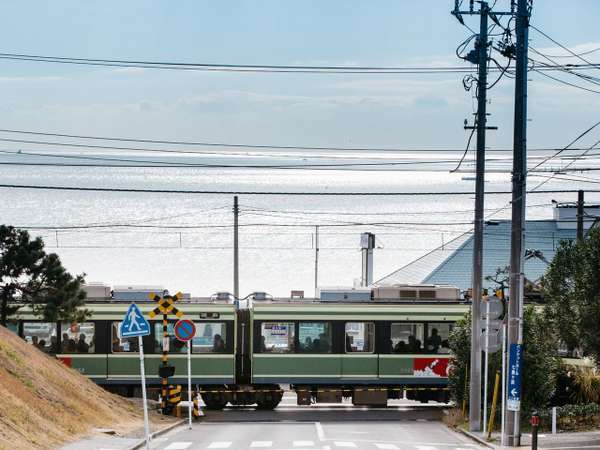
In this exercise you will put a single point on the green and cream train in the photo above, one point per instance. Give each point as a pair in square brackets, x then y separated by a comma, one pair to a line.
[368, 350]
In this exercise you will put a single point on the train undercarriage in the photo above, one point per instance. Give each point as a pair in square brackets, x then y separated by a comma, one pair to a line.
[267, 397]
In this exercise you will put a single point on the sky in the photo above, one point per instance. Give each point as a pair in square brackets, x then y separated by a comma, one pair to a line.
[425, 111]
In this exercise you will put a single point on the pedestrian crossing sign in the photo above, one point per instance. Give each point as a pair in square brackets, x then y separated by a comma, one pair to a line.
[134, 323]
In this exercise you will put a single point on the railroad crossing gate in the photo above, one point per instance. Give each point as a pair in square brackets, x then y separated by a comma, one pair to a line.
[170, 395]
[134, 324]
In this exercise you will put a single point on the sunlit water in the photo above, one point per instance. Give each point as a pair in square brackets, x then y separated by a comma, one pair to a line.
[272, 259]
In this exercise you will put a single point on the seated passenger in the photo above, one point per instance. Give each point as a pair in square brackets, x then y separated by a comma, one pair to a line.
[218, 344]
[82, 346]
[316, 346]
[434, 341]
[348, 343]
[53, 345]
[42, 345]
[64, 343]
[308, 344]
[263, 345]
[414, 345]
[324, 344]
[400, 347]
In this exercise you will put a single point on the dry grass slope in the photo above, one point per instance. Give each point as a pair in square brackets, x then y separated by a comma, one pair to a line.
[44, 404]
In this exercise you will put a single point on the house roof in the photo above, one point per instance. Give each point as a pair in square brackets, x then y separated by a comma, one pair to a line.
[453, 264]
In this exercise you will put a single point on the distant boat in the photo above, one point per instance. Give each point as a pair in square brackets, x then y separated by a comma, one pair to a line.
[471, 178]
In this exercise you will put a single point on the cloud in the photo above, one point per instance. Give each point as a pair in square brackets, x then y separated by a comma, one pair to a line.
[42, 79]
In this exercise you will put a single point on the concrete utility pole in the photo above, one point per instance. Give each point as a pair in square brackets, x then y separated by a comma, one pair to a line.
[475, 388]
[316, 259]
[512, 432]
[236, 261]
[580, 215]
[479, 57]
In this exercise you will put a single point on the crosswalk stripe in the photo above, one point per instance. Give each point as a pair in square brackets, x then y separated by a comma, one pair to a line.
[304, 444]
[178, 446]
[382, 446]
[345, 444]
[219, 444]
[262, 444]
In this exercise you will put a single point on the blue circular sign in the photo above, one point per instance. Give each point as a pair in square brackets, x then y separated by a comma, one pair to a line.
[184, 330]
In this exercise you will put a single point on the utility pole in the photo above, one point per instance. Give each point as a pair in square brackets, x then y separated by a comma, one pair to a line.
[480, 57]
[512, 431]
[580, 215]
[236, 261]
[316, 258]
[475, 388]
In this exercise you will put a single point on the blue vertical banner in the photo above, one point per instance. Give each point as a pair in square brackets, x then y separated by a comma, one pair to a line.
[513, 402]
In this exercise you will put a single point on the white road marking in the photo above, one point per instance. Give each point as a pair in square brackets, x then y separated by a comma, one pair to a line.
[386, 446]
[425, 447]
[345, 444]
[219, 444]
[178, 446]
[261, 444]
[320, 431]
[304, 444]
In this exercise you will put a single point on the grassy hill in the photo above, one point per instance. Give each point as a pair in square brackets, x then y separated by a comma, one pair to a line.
[44, 404]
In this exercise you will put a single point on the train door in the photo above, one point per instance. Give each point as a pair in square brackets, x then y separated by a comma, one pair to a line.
[359, 360]
[242, 347]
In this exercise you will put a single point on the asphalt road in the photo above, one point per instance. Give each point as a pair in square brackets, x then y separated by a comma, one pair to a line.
[402, 425]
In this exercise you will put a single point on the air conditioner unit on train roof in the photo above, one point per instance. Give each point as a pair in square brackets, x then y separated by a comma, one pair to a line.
[341, 294]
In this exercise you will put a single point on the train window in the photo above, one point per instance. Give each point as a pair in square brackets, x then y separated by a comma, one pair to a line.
[77, 337]
[175, 345]
[13, 326]
[314, 337]
[122, 345]
[42, 335]
[360, 337]
[407, 337]
[437, 338]
[211, 337]
[277, 337]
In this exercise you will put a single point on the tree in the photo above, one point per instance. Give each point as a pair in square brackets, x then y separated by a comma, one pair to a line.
[572, 290]
[540, 363]
[29, 276]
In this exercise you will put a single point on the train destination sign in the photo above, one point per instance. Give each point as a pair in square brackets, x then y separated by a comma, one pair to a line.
[184, 330]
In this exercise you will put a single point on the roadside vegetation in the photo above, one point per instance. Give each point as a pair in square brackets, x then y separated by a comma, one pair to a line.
[564, 321]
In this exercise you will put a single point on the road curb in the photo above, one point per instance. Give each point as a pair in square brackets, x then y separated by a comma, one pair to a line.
[474, 437]
[166, 429]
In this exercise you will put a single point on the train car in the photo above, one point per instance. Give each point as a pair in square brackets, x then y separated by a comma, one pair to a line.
[324, 350]
[368, 351]
[95, 349]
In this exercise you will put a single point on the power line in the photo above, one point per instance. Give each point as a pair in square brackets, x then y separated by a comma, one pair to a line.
[248, 68]
[565, 48]
[234, 192]
[212, 144]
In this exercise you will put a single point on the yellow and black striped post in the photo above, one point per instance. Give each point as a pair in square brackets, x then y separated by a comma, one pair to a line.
[166, 305]
[174, 395]
[197, 412]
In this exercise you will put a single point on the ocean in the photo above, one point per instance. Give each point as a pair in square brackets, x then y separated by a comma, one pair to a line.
[183, 242]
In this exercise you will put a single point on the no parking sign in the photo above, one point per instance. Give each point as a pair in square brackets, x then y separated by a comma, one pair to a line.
[184, 330]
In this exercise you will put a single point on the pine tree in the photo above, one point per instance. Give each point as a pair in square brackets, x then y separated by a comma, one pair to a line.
[29, 276]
